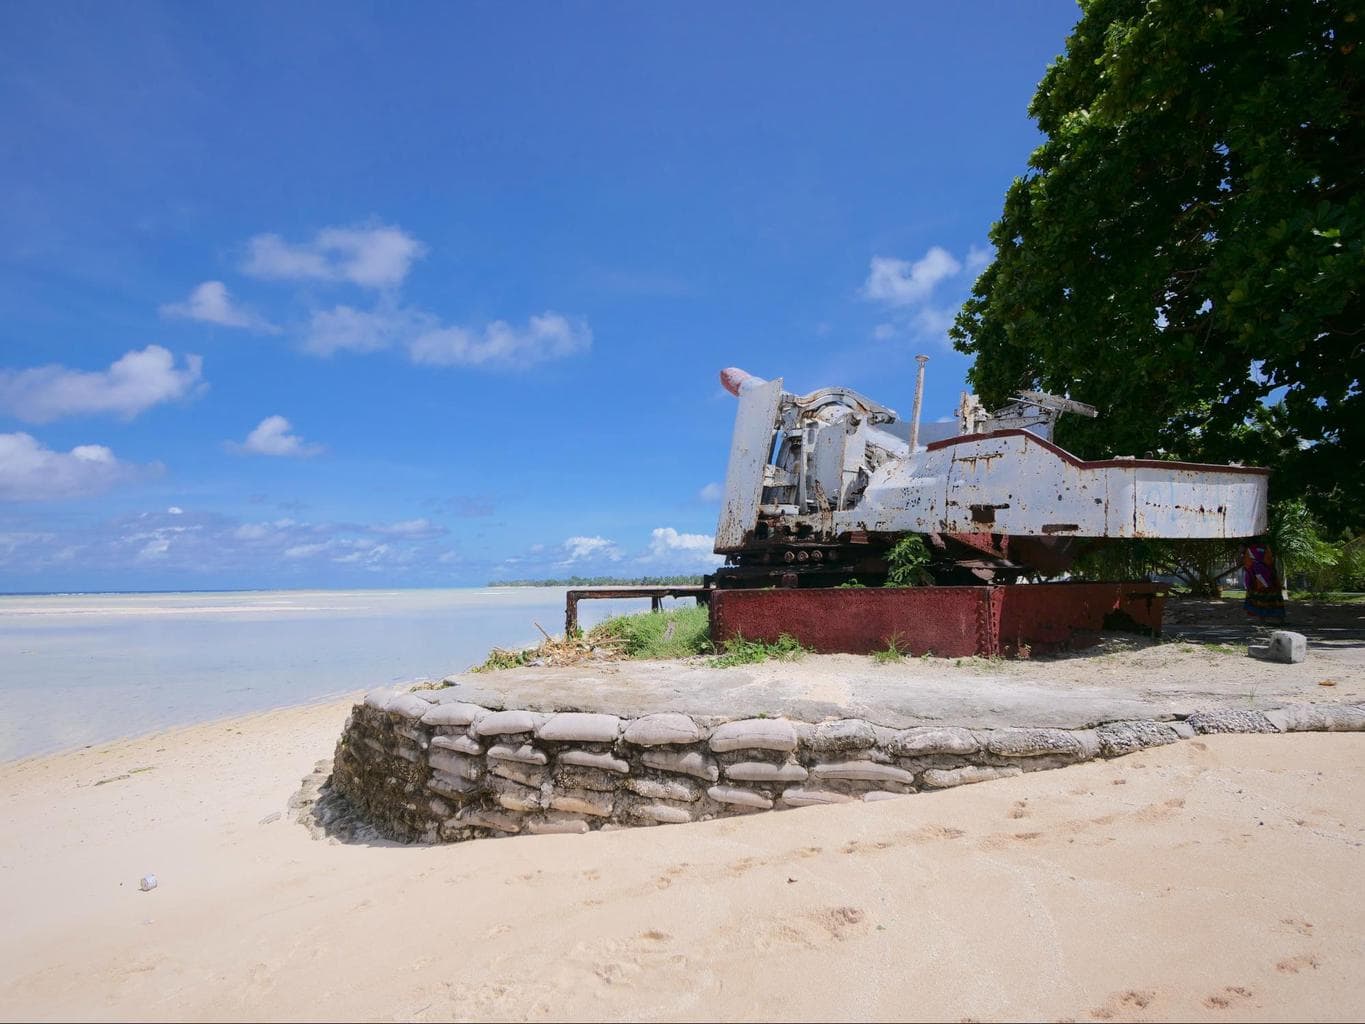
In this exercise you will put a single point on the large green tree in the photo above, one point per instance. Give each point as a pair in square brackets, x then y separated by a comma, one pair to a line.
[1185, 250]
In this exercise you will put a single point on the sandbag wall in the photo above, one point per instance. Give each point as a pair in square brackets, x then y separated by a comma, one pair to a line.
[420, 768]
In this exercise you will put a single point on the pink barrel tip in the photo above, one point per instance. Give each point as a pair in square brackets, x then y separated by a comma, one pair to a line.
[735, 380]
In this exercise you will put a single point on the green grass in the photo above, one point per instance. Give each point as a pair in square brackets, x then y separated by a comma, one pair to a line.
[739, 651]
[1226, 649]
[892, 652]
[676, 633]
[499, 659]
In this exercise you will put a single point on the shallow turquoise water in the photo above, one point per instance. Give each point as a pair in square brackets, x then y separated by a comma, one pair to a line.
[82, 669]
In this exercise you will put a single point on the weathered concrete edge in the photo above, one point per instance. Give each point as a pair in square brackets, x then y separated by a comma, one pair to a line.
[415, 769]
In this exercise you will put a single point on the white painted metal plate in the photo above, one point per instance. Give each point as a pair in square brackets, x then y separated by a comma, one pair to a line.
[750, 448]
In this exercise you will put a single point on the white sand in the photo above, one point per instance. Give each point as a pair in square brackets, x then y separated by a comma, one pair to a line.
[1217, 879]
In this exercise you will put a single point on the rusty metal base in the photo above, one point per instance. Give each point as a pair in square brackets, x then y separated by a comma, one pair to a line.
[948, 622]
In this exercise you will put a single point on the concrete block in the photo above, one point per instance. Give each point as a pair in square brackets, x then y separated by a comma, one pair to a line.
[737, 797]
[568, 776]
[526, 774]
[500, 723]
[670, 789]
[458, 742]
[581, 801]
[525, 753]
[662, 729]
[929, 741]
[946, 778]
[798, 796]
[1233, 720]
[454, 713]
[1034, 743]
[497, 820]
[588, 759]
[754, 734]
[882, 794]
[579, 727]
[1284, 646]
[379, 699]
[454, 764]
[1182, 729]
[1319, 718]
[1119, 738]
[684, 763]
[413, 732]
[514, 796]
[842, 735]
[454, 786]
[557, 824]
[862, 771]
[664, 814]
[405, 705]
[762, 771]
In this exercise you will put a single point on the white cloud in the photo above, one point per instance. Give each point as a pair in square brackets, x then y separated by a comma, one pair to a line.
[692, 549]
[368, 554]
[884, 332]
[211, 303]
[175, 510]
[978, 257]
[346, 329]
[712, 492]
[305, 550]
[579, 548]
[272, 437]
[498, 345]
[30, 472]
[373, 257]
[409, 528]
[132, 384]
[903, 283]
[155, 548]
[545, 337]
[931, 320]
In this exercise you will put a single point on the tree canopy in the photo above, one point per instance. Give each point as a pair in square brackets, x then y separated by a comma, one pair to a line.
[1185, 249]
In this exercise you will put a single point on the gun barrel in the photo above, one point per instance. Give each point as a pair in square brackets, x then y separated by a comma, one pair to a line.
[737, 381]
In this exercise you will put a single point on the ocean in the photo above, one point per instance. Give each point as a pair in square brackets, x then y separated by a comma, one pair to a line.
[82, 669]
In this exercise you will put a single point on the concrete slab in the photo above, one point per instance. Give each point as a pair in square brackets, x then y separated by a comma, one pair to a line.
[1122, 678]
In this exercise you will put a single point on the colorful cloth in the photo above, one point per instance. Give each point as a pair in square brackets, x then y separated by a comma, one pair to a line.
[1265, 595]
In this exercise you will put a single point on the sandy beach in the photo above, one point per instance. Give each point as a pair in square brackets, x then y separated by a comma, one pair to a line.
[1213, 879]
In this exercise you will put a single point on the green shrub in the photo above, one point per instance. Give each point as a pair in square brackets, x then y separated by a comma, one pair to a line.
[892, 651]
[908, 563]
[739, 651]
[676, 633]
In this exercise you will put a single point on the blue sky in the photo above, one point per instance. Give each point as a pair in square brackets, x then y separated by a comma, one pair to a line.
[351, 295]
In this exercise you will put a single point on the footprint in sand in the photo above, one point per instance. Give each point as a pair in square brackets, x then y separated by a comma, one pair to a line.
[1123, 1003]
[840, 922]
[1231, 996]
[1295, 964]
[1020, 809]
[1298, 924]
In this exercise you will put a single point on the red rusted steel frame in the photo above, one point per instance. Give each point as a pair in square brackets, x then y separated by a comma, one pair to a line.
[949, 622]
[655, 594]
